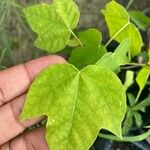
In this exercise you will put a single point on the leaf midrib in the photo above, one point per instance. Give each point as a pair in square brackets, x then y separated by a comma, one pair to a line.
[74, 109]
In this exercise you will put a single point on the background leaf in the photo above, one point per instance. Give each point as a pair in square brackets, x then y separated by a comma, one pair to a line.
[142, 21]
[53, 23]
[120, 27]
[114, 60]
[138, 119]
[128, 122]
[141, 80]
[92, 50]
[142, 105]
[78, 104]
[131, 99]
[129, 80]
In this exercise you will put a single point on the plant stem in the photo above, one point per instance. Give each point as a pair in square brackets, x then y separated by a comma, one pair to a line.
[125, 26]
[76, 38]
[128, 67]
[129, 4]
[138, 96]
[126, 139]
[2, 18]
[135, 65]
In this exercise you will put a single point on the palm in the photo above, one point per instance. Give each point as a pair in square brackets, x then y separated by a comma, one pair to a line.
[14, 83]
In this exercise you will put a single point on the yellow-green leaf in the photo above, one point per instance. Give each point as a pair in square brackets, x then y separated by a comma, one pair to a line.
[114, 60]
[91, 51]
[120, 27]
[142, 78]
[78, 104]
[53, 23]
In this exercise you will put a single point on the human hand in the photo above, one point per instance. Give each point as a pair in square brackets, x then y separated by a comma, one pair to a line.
[14, 83]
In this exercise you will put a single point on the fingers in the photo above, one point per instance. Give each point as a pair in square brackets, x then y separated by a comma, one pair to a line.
[10, 124]
[16, 80]
[34, 140]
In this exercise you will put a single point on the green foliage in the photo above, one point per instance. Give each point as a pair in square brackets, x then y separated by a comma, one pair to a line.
[114, 60]
[138, 119]
[53, 23]
[78, 104]
[133, 115]
[128, 123]
[129, 80]
[85, 96]
[120, 27]
[143, 105]
[142, 21]
[11, 26]
[92, 49]
[141, 79]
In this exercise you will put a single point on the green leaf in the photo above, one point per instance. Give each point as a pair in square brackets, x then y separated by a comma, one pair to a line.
[114, 60]
[142, 21]
[128, 122]
[131, 99]
[141, 79]
[138, 119]
[142, 105]
[129, 80]
[92, 50]
[120, 27]
[78, 104]
[53, 23]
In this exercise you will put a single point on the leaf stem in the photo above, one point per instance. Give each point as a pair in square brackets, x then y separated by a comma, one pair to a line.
[76, 38]
[126, 138]
[135, 65]
[129, 4]
[138, 96]
[125, 26]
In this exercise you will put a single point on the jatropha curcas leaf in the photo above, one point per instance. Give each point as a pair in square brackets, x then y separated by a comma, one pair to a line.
[114, 60]
[142, 79]
[140, 19]
[53, 23]
[120, 27]
[77, 103]
[91, 51]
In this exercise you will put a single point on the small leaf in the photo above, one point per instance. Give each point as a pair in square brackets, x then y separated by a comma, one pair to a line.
[53, 23]
[142, 21]
[138, 119]
[114, 60]
[131, 99]
[129, 80]
[142, 105]
[142, 78]
[92, 50]
[120, 27]
[78, 104]
[128, 122]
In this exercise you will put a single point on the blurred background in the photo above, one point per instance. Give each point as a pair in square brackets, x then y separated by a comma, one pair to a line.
[16, 38]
